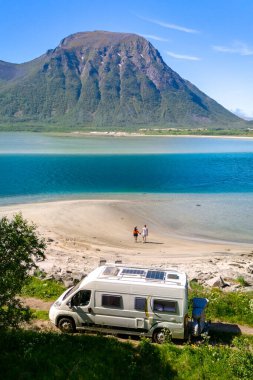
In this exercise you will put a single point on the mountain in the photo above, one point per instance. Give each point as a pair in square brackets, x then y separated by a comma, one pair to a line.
[104, 79]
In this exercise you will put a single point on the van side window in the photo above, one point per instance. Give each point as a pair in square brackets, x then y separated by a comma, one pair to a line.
[113, 301]
[140, 303]
[82, 298]
[165, 306]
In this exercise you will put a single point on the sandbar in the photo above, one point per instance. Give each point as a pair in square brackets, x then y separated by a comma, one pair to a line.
[81, 232]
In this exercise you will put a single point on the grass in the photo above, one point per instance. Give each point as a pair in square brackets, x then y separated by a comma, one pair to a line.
[47, 290]
[233, 307]
[241, 280]
[40, 314]
[32, 355]
[43, 355]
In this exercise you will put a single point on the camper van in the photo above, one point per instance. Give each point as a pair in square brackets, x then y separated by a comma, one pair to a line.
[126, 300]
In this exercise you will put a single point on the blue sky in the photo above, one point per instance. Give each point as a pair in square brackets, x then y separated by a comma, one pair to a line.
[208, 42]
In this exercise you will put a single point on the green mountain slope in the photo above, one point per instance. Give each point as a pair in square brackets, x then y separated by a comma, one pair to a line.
[103, 79]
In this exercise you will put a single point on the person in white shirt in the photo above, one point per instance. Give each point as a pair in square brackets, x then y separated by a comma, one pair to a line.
[144, 233]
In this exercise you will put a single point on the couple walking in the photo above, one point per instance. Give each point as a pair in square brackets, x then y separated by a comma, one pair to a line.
[144, 233]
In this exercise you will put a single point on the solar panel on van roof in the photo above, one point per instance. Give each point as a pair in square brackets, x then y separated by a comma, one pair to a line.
[155, 275]
[133, 272]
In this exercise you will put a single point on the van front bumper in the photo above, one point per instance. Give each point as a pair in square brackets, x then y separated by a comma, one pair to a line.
[53, 314]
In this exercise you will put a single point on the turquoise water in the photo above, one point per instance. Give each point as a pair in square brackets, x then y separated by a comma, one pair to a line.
[44, 174]
[199, 187]
[44, 167]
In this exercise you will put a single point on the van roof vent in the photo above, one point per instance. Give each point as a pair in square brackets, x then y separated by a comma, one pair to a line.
[155, 275]
[111, 271]
[173, 276]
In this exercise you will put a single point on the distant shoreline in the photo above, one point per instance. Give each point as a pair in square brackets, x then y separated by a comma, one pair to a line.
[135, 134]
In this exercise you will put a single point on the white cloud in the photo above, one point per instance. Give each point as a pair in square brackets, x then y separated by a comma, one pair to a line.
[237, 47]
[153, 37]
[170, 26]
[182, 56]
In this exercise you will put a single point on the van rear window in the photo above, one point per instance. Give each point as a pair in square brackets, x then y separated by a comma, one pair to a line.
[165, 306]
[114, 301]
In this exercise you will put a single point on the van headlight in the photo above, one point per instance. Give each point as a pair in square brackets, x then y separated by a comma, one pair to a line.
[57, 304]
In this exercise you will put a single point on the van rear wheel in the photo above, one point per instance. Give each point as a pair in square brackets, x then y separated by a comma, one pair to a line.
[160, 336]
[67, 325]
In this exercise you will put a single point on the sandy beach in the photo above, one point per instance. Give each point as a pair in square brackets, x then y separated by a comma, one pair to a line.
[81, 232]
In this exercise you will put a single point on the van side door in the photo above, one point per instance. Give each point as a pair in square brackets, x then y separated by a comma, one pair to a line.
[165, 310]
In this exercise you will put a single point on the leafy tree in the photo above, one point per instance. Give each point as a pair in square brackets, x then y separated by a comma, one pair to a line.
[20, 247]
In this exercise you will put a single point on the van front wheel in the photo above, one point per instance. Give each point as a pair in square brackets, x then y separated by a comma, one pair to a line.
[67, 325]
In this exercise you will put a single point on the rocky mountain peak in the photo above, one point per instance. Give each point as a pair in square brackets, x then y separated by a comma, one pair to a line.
[103, 79]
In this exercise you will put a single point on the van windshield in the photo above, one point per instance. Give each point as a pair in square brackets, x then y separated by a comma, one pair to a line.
[71, 290]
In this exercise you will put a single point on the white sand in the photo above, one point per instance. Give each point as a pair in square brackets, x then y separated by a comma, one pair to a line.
[83, 231]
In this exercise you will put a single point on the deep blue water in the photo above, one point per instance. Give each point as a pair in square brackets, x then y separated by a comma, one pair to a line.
[50, 174]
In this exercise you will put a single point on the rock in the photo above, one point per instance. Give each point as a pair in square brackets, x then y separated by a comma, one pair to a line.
[216, 282]
[57, 277]
[233, 288]
[48, 277]
[250, 269]
[68, 283]
[247, 289]
[77, 277]
[56, 269]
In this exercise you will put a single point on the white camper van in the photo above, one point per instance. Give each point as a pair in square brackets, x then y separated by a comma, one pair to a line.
[126, 300]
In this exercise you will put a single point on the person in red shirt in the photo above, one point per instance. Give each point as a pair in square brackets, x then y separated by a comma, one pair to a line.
[135, 234]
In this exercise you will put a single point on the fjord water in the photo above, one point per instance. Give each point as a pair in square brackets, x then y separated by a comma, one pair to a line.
[197, 174]
[38, 174]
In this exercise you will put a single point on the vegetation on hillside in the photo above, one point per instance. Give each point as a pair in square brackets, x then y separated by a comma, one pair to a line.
[246, 132]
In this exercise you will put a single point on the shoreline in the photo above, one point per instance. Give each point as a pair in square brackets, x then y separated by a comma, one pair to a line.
[136, 134]
[174, 212]
[81, 232]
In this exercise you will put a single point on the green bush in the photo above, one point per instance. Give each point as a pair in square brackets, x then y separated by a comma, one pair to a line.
[20, 246]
